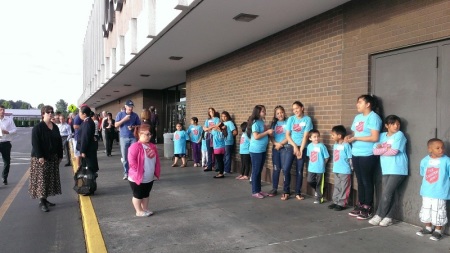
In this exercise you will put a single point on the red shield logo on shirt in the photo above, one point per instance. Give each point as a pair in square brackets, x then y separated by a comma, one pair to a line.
[360, 126]
[313, 156]
[279, 129]
[195, 132]
[336, 155]
[432, 175]
[177, 136]
[211, 123]
[242, 140]
[297, 128]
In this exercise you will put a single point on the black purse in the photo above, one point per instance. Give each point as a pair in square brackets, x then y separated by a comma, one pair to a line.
[85, 181]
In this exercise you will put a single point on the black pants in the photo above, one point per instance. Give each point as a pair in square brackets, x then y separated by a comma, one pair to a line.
[219, 163]
[5, 150]
[109, 138]
[364, 167]
[65, 145]
[246, 164]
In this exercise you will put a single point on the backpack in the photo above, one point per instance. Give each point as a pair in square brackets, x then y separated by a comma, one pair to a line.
[85, 181]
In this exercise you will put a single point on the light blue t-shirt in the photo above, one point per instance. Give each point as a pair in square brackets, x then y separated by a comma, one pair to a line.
[212, 122]
[398, 164]
[244, 144]
[317, 154]
[341, 158]
[179, 139]
[260, 145]
[298, 127]
[279, 131]
[436, 177]
[362, 125]
[230, 128]
[134, 121]
[195, 132]
[218, 139]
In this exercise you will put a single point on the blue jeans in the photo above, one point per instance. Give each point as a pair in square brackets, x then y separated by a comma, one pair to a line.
[227, 158]
[299, 163]
[125, 143]
[277, 166]
[258, 160]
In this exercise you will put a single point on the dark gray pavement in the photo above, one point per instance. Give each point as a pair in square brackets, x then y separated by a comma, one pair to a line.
[196, 213]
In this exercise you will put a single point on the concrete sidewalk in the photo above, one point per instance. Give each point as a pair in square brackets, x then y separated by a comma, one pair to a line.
[196, 213]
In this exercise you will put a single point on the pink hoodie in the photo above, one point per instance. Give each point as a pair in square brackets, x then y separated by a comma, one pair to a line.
[136, 156]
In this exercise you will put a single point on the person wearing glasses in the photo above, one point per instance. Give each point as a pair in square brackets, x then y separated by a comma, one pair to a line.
[144, 168]
[7, 130]
[46, 155]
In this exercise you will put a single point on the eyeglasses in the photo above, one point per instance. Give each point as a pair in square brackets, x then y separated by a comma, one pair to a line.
[50, 112]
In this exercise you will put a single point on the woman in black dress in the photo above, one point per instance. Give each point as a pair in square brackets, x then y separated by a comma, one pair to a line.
[87, 142]
[46, 155]
[110, 132]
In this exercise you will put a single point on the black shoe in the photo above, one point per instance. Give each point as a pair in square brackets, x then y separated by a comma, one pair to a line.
[50, 203]
[5, 181]
[205, 170]
[338, 208]
[366, 213]
[332, 206]
[67, 165]
[355, 211]
[44, 207]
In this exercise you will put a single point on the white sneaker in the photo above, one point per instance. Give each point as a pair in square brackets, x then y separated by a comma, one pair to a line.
[375, 220]
[385, 222]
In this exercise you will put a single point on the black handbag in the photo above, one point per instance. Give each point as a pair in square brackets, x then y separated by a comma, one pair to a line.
[85, 181]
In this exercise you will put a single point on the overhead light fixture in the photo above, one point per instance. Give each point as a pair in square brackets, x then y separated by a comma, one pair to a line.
[175, 58]
[145, 75]
[127, 85]
[244, 17]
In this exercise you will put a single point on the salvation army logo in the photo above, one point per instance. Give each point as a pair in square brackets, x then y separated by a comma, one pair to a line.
[360, 126]
[279, 129]
[242, 140]
[195, 132]
[313, 156]
[297, 128]
[432, 175]
[177, 136]
[336, 154]
[211, 123]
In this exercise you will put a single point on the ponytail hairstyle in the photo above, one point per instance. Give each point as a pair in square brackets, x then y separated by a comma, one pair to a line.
[275, 119]
[256, 115]
[372, 100]
[195, 119]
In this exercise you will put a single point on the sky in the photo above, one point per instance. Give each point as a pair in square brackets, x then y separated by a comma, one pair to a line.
[41, 50]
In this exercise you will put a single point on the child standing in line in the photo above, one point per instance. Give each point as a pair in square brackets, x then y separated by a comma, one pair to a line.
[435, 189]
[342, 153]
[204, 151]
[195, 135]
[318, 158]
[244, 146]
[394, 167]
[179, 138]
[219, 135]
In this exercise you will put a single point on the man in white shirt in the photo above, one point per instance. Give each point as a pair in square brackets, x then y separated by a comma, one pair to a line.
[65, 131]
[8, 128]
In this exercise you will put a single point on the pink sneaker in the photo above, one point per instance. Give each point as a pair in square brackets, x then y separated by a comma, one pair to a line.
[258, 196]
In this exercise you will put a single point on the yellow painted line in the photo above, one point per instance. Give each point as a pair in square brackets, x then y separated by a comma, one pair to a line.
[92, 233]
[7, 203]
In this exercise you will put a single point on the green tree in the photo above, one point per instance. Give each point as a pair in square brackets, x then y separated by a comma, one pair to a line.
[7, 104]
[40, 105]
[61, 106]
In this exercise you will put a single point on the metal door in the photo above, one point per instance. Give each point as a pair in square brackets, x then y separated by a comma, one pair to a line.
[406, 82]
[443, 96]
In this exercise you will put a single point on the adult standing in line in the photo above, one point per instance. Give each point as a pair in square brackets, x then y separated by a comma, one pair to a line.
[210, 123]
[104, 117]
[65, 131]
[126, 121]
[77, 121]
[46, 155]
[229, 140]
[87, 141]
[110, 132]
[259, 138]
[366, 132]
[7, 130]
[154, 122]
[297, 131]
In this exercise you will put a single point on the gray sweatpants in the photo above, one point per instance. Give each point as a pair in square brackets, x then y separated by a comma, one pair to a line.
[341, 191]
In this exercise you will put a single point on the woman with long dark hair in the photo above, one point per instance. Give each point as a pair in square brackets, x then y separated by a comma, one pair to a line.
[210, 123]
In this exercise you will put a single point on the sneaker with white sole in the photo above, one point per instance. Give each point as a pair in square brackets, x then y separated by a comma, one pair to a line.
[375, 220]
[423, 232]
[386, 222]
[436, 236]
[257, 195]
[355, 212]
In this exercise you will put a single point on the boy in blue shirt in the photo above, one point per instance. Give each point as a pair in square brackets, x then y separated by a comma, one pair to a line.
[318, 158]
[435, 189]
[342, 153]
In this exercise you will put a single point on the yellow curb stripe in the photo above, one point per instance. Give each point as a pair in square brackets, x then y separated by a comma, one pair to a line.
[92, 233]
[8, 201]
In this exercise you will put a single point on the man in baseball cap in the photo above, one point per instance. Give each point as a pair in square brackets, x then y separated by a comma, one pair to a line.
[126, 120]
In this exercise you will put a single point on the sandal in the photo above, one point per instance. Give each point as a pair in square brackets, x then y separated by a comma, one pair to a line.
[174, 165]
[299, 197]
[239, 177]
[183, 165]
[285, 196]
[243, 178]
